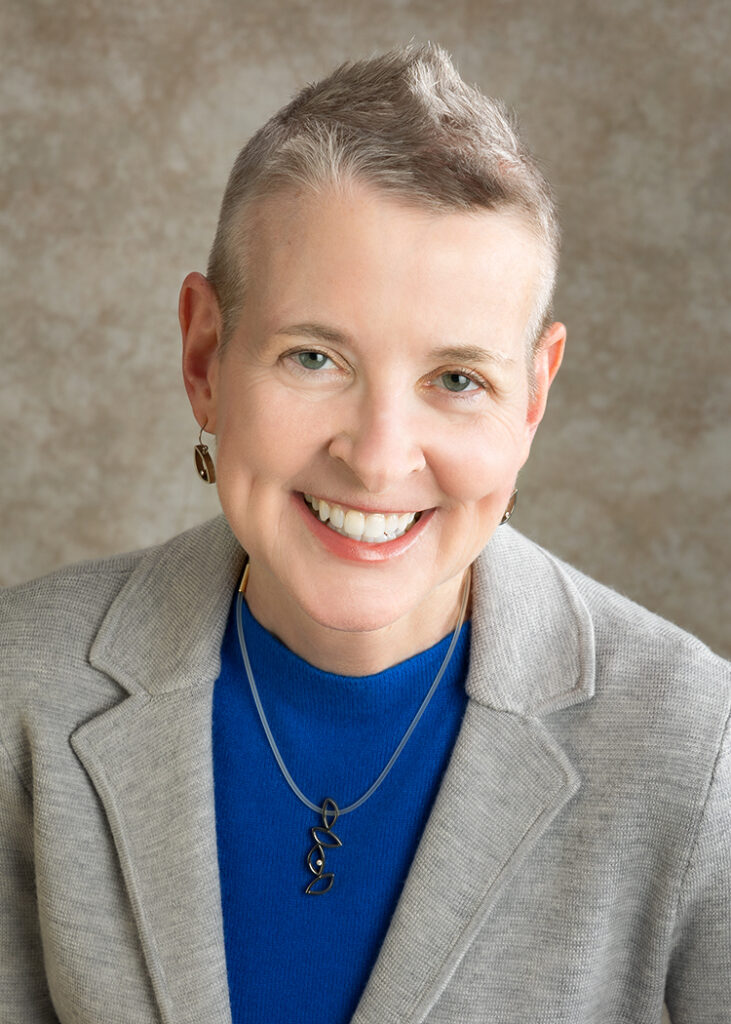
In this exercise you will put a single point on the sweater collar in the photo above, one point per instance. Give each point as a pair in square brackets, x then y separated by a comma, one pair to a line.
[291, 682]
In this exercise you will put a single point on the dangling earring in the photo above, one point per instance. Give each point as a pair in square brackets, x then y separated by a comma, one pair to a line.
[203, 461]
[511, 507]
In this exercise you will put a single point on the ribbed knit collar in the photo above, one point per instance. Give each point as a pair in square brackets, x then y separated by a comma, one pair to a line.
[284, 678]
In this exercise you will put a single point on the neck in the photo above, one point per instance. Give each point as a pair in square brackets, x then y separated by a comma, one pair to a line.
[352, 651]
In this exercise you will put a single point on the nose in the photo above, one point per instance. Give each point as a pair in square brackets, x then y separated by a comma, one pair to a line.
[382, 444]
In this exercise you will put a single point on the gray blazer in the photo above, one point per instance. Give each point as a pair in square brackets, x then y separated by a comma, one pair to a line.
[577, 859]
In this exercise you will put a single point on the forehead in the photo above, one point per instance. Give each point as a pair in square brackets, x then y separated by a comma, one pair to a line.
[363, 257]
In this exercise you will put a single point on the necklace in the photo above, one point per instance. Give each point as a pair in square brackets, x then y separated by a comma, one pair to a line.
[322, 835]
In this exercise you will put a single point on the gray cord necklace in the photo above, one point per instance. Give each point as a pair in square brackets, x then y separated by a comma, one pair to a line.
[322, 835]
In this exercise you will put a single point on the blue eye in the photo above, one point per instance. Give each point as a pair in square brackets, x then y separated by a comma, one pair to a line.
[457, 382]
[312, 360]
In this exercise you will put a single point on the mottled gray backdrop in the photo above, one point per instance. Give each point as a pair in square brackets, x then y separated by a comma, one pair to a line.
[119, 124]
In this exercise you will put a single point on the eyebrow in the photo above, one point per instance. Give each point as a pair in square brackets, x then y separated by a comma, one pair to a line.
[449, 353]
[317, 331]
[471, 354]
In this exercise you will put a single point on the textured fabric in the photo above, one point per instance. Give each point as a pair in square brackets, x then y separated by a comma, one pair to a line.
[335, 733]
[576, 861]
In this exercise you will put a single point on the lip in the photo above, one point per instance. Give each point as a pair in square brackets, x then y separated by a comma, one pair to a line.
[358, 550]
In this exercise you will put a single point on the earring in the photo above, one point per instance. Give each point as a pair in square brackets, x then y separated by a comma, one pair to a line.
[511, 507]
[203, 461]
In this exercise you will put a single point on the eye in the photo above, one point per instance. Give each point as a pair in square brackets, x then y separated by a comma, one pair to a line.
[312, 360]
[456, 382]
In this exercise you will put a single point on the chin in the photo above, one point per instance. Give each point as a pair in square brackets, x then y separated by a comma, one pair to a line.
[355, 615]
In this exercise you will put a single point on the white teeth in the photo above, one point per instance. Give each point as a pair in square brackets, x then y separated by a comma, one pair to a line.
[354, 524]
[405, 521]
[374, 527]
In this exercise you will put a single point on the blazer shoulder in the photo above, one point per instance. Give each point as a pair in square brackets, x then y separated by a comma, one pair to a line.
[62, 607]
[660, 702]
[634, 644]
[612, 610]
[52, 678]
[48, 625]
[58, 610]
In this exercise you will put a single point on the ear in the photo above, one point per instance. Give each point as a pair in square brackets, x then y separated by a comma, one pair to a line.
[200, 324]
[546, 362]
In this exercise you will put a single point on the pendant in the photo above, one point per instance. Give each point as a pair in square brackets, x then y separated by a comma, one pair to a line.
[324, 838]
[204, 464]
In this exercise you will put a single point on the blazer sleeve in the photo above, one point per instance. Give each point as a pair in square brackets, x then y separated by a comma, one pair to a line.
[699, 979]
[24, 997]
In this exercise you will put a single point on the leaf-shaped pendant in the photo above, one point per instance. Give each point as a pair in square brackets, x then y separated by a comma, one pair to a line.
[324, 837]
[204, 464]
[330, 812]
[321, 884]
[316, 859]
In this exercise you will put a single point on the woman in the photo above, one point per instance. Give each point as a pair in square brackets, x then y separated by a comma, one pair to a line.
[353, 751]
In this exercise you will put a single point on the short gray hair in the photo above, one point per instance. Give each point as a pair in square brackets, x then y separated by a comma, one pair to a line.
[403, 122]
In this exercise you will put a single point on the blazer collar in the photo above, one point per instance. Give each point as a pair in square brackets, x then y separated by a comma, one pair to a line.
[533, 636]
[164, 630]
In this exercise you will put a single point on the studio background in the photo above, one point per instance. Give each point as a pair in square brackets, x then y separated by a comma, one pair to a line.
[119, 126]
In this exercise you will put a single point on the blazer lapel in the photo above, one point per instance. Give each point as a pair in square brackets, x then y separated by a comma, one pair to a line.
[150, 761]
[507, 781]
[505, 785]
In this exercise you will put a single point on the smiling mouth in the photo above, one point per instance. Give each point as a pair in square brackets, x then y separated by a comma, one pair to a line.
[370, 527]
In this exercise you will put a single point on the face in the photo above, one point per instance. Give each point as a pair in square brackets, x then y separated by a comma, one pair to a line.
[372, 408]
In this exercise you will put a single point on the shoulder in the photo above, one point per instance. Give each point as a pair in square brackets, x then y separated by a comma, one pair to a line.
[632, 639]
[65, 606]
[60, 611]
[657, 681]
[662, 698]
[48, 627]
[627, 636]
[642, 707]
[635, 679]
[656, 736]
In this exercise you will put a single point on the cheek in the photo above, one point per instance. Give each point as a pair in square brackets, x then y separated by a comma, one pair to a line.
[264, 437]
[256, 459]
[480, 466]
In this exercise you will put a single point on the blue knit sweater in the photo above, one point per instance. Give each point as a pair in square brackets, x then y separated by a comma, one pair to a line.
[290, 956]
